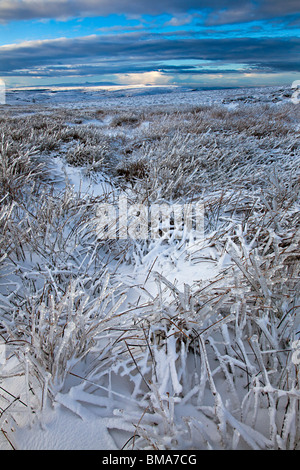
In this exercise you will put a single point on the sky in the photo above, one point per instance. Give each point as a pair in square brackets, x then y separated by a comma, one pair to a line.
[206, 43]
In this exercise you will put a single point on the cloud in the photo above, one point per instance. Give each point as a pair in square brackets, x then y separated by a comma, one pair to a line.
[235, 14]
[145, 78]
[180, 20]
[219, 11]
[141, 52]
[252, 11]
[32, 9]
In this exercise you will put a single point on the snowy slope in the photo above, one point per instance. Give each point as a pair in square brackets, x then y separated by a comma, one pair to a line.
[148, 377]
[130, 96]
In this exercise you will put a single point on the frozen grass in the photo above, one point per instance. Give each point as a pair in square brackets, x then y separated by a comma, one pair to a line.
[99, 328]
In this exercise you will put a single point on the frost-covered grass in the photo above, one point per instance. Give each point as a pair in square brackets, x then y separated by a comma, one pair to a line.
[166, 344]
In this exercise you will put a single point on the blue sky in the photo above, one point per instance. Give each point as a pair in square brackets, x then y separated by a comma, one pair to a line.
[208, 43]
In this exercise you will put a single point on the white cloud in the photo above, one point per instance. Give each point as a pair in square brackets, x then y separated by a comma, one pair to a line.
[145, 78]
[180, 20]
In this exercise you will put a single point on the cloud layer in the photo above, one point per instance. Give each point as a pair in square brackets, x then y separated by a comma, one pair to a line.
[189, 38]
[220, 12]
[139, 52]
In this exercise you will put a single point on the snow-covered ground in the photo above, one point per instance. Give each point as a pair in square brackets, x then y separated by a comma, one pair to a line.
[188, 344]
[143, 96]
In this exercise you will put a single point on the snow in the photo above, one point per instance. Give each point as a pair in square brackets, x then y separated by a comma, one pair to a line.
[63, 429]
[144, 96]
[63, 174]
[102, 407]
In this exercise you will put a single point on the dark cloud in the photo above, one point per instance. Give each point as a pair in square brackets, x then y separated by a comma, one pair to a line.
[239, 12]
[30, 9]
[137, 51]
[220, 12]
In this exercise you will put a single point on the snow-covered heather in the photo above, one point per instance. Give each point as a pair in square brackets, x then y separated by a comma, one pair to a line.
[156, 343]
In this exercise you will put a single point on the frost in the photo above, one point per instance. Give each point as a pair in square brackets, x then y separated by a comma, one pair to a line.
[296, 352]
[167, 342]
[2, 354]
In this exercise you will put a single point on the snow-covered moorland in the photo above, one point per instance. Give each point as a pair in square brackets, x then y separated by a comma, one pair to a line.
[158, 343]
